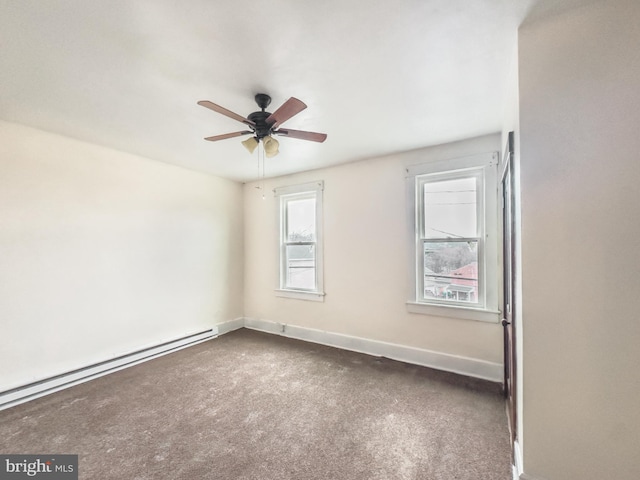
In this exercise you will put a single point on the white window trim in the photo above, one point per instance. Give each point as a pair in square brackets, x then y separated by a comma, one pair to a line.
[316, 188]
[488, 311]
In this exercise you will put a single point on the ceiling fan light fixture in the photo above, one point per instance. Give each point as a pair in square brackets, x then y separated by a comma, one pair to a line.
[270, 146]
[263, 124]
[250, 144]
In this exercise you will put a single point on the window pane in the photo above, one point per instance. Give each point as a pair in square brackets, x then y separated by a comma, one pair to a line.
[451, 271]
[450, 208]
[300, 267]
[301, 220]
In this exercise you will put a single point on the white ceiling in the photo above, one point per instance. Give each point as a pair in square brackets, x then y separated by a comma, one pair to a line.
[377, 76]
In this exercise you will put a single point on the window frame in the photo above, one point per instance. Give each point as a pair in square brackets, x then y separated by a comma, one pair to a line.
[284, 196]
[484, 168]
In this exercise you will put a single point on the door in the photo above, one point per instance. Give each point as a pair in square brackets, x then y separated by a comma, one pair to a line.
[508, 308]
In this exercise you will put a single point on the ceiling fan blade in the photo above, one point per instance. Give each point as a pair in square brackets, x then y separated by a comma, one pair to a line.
[224, 111]
[288, 109]
[227, 135]
[302, 135]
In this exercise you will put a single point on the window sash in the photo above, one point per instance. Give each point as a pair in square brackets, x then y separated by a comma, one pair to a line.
[422, 239]
[295, 198]
[285, 268]
[289, 268]
[448, 285]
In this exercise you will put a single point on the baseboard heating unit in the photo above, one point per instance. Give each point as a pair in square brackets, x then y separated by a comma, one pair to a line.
[56, 383]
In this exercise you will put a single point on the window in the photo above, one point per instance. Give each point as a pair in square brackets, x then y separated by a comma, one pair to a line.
[300, 211]
[454, 217]
[450, 237]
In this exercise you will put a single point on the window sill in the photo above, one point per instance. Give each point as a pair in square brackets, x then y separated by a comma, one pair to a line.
[462, 313]
[300, 295]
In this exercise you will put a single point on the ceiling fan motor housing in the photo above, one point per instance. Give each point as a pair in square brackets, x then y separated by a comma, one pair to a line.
[262, 128]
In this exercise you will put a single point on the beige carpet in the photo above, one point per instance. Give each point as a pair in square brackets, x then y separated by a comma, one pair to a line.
[250, 405]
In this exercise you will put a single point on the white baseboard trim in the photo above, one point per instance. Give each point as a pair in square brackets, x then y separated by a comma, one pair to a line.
[230, 326]
[517, 457]
[518, 468]
[437, 360]
[44, 387]
[441, 361]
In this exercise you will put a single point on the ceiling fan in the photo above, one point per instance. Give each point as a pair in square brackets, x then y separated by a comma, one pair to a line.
[263, 124]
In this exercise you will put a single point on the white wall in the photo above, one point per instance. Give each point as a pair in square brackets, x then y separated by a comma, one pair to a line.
[102, 253]
[367, 234]
[580, 172]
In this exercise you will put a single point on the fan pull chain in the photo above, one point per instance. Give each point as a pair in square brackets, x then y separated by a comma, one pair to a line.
[262, 179]
[261, 170]
[258, 187]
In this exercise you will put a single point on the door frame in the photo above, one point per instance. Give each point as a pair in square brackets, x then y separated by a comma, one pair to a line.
[507, 184]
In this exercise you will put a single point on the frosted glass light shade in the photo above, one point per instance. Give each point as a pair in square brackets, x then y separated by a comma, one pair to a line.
[270, 146]
[250, 144]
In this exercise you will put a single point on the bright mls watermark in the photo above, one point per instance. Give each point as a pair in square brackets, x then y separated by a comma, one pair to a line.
[49, 467]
